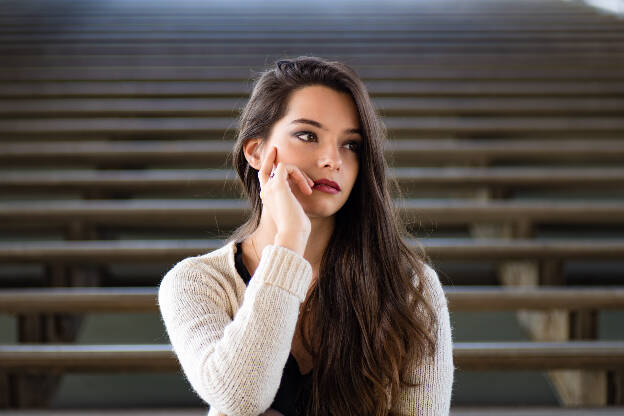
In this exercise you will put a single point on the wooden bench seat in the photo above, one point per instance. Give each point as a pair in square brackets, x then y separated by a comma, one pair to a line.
[264, 19]
[219, 46]
[215, 152]
[472, 298]
[437, 248]
[389, 106]
[534, 411]
[223, 179]
[377, 88]
[469, 356]
[455, 411]
[368, 71]
[530, 58]
[217, 127]
[205, 19]
[161, 410]
[166, 213]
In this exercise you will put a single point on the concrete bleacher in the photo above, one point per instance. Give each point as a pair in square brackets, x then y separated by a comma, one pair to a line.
[506, 123]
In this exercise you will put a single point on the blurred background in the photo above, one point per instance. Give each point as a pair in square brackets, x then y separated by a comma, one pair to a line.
[506, 124]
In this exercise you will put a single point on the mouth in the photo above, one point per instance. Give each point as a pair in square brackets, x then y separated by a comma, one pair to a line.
[326, 183]
[327, 186]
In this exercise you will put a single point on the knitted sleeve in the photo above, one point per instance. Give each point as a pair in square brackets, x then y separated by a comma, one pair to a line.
[234, 365]
[433, 396]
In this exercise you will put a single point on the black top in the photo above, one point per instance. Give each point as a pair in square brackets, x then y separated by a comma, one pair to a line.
[295, 388]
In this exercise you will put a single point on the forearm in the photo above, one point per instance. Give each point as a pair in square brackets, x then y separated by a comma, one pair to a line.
[294, 241]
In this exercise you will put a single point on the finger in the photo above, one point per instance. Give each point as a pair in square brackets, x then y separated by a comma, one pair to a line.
[280, 172]
[302, 180]
[308, 180]
[267, 166]
[300, 175]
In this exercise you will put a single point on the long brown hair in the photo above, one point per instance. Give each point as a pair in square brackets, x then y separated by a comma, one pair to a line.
[369, 318]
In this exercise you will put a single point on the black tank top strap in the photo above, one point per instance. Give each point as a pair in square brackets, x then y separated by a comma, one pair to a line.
[240, 266]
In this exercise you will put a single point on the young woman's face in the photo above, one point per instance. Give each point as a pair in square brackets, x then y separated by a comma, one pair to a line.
[321, 135]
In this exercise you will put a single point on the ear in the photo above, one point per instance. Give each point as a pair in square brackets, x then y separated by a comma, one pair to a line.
[253, 150]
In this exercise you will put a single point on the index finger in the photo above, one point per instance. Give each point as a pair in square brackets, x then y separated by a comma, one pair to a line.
[267, 165]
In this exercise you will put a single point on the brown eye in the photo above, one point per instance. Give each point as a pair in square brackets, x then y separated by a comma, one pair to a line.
[355, 146]
[304, 133]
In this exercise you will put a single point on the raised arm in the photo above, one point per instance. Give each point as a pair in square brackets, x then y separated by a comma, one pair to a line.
[234, 365]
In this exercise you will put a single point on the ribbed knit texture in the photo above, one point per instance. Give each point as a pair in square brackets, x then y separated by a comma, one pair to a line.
[233, 341]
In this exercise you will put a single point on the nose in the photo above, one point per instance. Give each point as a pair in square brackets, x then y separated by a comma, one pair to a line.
[329, 156]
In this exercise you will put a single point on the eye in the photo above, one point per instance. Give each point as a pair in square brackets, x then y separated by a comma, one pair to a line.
[304, 133]
[355, 146]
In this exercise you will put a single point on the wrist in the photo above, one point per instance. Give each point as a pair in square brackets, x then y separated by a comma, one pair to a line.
[296, 242]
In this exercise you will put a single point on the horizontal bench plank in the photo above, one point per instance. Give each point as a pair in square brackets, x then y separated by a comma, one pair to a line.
[252, 58]
[164, 411]
[490, 298]
[208, 151]
[381, 17]
[213, 152]
[157, 213]
[172, 250]
[455, 411]
[365, 22]
[535, 411]
[520, 356]
[456, 36]
[86, 358]
[377, 88]
[211, 107]
[79, 299]
[232, 72]
[468, 356]
[472, 298]
[335, 46]
[211, 19]
[390, 25]
[294, 23]
[226, 126]
[224, 179]
[481, 6]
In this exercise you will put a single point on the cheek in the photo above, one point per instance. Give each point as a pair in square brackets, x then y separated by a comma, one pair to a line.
[356, 171]
[290, 153]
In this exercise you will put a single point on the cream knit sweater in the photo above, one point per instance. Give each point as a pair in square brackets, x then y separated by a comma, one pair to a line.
[233, 341]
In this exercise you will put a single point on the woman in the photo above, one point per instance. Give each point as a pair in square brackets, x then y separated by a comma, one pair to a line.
[315, 305]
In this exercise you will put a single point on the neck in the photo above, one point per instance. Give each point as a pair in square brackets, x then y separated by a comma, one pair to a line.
[320, 233]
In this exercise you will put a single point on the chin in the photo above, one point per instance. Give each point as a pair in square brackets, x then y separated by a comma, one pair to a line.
[321, 212]
[316, 212]
[316, 215]
[317, 208]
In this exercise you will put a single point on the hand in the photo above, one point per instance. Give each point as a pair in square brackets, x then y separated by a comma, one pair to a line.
[279, 201]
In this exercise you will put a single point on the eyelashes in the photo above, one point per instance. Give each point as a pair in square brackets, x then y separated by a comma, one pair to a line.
[355, 146]
[300, 133]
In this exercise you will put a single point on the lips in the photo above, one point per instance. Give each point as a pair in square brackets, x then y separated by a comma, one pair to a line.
[328, 183]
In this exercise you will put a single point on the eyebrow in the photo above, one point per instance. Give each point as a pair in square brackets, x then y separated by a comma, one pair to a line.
[320, 126]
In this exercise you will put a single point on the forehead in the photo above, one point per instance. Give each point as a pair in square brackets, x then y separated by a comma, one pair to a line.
[335, 110]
